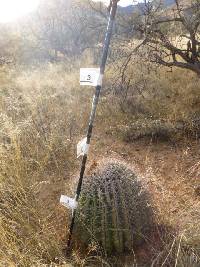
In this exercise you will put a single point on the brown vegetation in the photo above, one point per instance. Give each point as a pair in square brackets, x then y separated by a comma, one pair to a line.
[148, 118]
[42, 118]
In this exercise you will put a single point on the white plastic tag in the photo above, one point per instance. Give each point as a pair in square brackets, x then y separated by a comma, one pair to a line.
[68, 202]
[99, 82]
[82, 147]
[90, 76]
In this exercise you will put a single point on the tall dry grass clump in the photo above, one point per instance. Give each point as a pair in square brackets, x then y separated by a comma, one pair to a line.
[41, 118]
[28, 231]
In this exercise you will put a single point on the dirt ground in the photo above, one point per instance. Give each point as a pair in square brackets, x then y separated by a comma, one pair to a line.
[170, 173]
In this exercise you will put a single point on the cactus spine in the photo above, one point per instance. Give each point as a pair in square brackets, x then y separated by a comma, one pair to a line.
[113, 209]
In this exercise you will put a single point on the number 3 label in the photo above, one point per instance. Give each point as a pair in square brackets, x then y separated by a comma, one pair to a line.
[89, 76]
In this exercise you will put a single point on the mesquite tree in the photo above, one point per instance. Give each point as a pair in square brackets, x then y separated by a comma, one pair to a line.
[172, 35]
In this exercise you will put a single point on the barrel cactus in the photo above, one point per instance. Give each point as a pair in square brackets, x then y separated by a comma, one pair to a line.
[113, 209]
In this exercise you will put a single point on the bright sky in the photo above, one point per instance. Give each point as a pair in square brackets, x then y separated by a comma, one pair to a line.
[13, 9]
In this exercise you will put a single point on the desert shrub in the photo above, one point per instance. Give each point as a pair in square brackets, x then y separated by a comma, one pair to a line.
[114, 209]
[148, 128]
[159, 130]
[154, 100]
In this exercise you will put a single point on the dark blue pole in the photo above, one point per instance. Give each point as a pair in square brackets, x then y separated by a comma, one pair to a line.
[94, 107]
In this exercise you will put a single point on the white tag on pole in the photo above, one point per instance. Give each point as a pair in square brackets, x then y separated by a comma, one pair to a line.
[68, 202]
[82, 147]
[90, 76]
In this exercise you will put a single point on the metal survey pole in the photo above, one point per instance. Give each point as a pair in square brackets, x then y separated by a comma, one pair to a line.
[94, 107]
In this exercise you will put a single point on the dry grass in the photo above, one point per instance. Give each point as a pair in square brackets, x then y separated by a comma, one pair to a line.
[40, 121]
[144, 96]
[43, 114]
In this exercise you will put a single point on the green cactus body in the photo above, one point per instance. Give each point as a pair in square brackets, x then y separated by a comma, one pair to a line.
[113, 209]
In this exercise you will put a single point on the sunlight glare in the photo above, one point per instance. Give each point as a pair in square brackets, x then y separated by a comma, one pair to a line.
[10, 10]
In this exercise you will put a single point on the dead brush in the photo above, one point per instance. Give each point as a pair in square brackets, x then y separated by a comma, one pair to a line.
[28, 234]
[175, 252]
[36, 150]
[145, 96]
